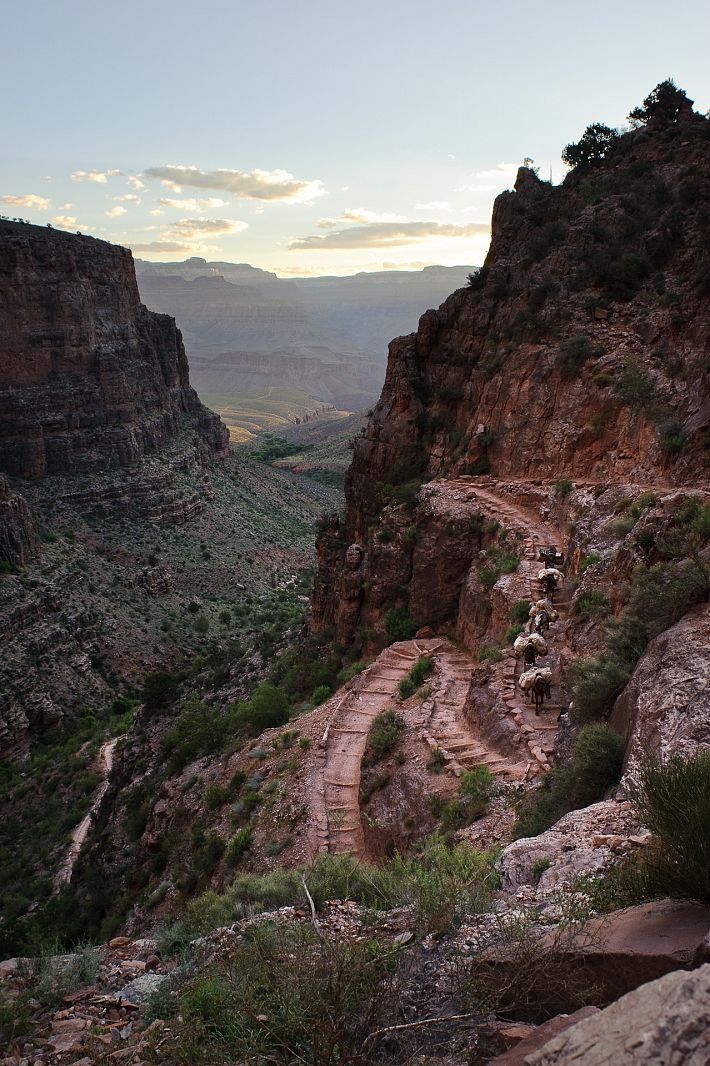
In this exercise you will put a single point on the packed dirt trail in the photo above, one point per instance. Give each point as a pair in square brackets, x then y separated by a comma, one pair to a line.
[441, 722]
[540, 730]
[104, 765]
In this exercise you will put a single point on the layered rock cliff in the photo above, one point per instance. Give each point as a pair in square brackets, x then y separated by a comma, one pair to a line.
[89, 379]
[579, 351]
[98, 424]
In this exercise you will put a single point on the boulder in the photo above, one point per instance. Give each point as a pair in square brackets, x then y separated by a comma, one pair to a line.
[581, 843]
[664, 1023]
[541, 1035]
[639, 944]
[665, 708]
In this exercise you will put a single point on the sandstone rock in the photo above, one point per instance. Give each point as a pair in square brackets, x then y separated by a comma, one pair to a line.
[641, 943]
[89, 379]
[664, 1023]
[577, 845]
[540, 1035]
[541, 421]
[671, 716]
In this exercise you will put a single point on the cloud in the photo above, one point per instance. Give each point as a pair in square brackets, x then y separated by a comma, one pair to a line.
[388, 235]
[99, 176]
[360, 215]
[128, 198]
[157, 211]
[114, 212]
[434, 205]
[66, 222]
[135, 182]
[190, 228]
[242, 185]
[161, 246]
[502, 172]
[28, 199]
[192, 205]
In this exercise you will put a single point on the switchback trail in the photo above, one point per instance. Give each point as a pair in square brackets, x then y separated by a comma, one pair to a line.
[442, 724]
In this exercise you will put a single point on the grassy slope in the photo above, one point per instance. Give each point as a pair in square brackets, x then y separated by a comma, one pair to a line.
[256, 532]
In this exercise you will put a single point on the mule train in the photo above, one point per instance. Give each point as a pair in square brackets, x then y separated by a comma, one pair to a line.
[536, 680]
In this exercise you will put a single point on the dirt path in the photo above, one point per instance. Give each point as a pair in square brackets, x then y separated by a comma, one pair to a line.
[539, 731]
[337, 823]
[104, 764]
[441, 724]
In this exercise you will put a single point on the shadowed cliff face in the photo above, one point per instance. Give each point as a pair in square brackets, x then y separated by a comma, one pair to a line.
[579, 351]
[89, 379]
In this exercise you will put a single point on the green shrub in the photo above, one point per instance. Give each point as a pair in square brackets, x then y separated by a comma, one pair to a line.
[595, 144]
[411, 682]
[382, 737]
[595, 683]
[475, 788]
[436, 761]
[266, 707]
[647, 499]
[216, 795]
[622, 526]
[594, 766]
[512, 633]
[593, 603]
[589, 560]
[539, 867]
[520, 611]
[238, 845]
[320, 694]
[160, 689]
[198, 729]
[477, 278]
[563, 487]
[349, 672]
[490, 653]
[488, 575]
[597, 759]
[399, 625]
[573, 353]
[671, 437]
[634, 387]
[673, 800]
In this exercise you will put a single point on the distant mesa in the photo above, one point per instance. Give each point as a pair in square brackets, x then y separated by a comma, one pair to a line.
[247, 330]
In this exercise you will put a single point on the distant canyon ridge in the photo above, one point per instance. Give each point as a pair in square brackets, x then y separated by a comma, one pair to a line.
[320, 339]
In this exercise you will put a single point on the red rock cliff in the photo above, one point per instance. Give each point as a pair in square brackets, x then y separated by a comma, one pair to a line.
[580, 350]
[89, 379]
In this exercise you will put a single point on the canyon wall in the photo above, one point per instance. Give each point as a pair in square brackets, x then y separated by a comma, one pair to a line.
[89, 379]
[579, 351]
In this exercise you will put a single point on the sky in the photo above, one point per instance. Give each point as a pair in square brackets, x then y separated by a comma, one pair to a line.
[318, 136]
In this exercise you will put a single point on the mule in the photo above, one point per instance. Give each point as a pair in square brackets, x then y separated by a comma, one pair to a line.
[549, 583]
[541, 621]
[529, 656]
[540, 691]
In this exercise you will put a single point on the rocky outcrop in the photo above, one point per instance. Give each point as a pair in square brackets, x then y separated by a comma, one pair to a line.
[662, 1023]
[568, 356]
[18, 536]
[665, 708]
[97, 422]
[89, 379]
[580, 844]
